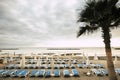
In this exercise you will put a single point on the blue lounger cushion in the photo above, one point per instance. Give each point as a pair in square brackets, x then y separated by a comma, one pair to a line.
[75, 72]
[48, 73]
[34, 73]
[41, 73]
[56, 73]
[66, 73]
[24, 73]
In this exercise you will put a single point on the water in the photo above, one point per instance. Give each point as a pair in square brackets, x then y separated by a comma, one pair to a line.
[90, 51]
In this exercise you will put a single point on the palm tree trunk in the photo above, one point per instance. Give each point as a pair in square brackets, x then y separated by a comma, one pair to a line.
[110, 65]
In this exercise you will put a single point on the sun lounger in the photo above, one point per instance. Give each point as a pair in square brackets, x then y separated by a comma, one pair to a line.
[99, 65]
[104, 71]
[85, 66]
[48, 73]
[74, 62]
[66, 73]
[72, 66]
[67, 66]
[93, 66]
[10, 72]
[80, 66]
[2, 72]
[97, 72]
[56, 66]
[49, 66]
[117, 70]
[83, 62]
[61, 66]
[16, 74]
[75, 72]
[24, 73]
[34, 73]
[41, 73]
[56, 73]
[43, 66]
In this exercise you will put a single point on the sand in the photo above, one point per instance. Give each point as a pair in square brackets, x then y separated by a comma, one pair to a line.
[82, 72]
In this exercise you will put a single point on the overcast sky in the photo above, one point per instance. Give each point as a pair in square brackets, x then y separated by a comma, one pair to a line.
[45, 23]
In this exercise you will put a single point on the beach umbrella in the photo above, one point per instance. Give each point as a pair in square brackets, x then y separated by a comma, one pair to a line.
[35, 57]
[52, 61]
[115, 60]
[38, 61]
[95, 57]
[87, 61]
[11, 58]
[84, 57]
[5, 60]
[23, 61]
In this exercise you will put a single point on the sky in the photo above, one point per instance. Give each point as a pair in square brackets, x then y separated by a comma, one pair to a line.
[46, 23]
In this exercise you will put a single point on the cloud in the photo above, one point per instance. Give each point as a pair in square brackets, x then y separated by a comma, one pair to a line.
[39, 22]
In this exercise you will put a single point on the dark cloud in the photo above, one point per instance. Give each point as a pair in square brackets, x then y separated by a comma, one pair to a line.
[31, 22]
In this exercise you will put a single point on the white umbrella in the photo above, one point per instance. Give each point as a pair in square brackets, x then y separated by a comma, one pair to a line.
[5, 60]
[87, 61]
[11, 58]
[84, 57]
[38, 61]
[95, 57]
[23, 61]
[115, 60]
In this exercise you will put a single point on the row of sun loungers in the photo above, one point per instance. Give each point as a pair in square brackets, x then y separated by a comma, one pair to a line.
[90, 66]
[38, 73]
[100, 72]
[56, 66]
[14, 73]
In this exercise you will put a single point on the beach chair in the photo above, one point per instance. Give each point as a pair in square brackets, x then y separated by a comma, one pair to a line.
[80, 65]
[97, 72]
[66, 73]
[72, 66]
[56, 66]
[83, 62]
[61, 66]
[85, 65]
[41, 73]
[63, 62]
[117, 70]
[43, 66]
[34, 73]
[56, 73]
[16, 74]
[67, 66]
[75, 72]
[9, 73]
[49, 66]
[2, 72]
[24, 73]
[99, 66]
[74, 62]
[104, 71]
[93, 66]
[48, 73]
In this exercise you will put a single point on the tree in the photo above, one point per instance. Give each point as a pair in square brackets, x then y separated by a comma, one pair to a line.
[104, 15]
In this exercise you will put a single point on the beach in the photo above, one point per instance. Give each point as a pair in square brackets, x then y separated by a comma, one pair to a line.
[82, 72]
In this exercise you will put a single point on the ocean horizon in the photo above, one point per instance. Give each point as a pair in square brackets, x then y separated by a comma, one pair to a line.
[90, 51]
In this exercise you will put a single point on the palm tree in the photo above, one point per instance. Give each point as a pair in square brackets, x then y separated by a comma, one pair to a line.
[104, 15]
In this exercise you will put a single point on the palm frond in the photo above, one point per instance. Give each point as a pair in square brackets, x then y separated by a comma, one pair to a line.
[87, 29]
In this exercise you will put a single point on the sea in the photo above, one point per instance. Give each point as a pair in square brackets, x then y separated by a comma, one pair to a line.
[90, 51]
